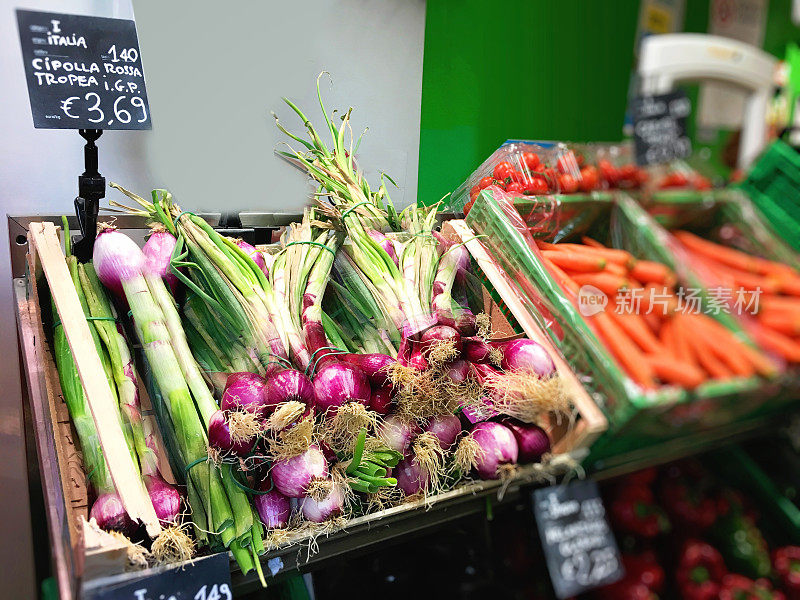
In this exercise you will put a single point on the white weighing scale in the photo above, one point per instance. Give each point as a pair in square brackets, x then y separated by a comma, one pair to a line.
[667, 59]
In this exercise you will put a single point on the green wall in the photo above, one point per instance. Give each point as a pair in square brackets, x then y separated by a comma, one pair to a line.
[533, 69]
[540, 69]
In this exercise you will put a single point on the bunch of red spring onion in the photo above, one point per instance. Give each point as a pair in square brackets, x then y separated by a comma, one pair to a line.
[340, 372]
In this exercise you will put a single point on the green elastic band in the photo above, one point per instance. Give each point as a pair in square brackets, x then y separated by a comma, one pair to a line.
[280, 360]
[90, 473]
[310, 243]
[352, 208]
[312, 364]
[178, 218]
[250, 490]
[57, 323]
[195, 463]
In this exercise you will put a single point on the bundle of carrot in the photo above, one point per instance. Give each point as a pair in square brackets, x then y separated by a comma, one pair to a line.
[657, 336]
[775, 287]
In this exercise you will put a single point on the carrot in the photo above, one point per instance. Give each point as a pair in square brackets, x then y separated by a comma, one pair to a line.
[624, 350]
[575, 261]
[669, 339]
[781, 323]
[727, 339]
[614, 255]
[771, 301]
[722, 254]
[653, 321]
[671, 370]
[591, 242]
[749, 281]
[648, 271]
[637, 329]
[788, 283]
[542, 245]
[683, 339]
[616, 269]
[708, 360]
[778, 343]
[658, 299]
[605, 282]
[563, 279]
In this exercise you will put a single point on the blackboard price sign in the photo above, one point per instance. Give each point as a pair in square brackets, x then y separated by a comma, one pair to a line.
[578, 543]
[83, 72]
[659, 127]
[207, 578]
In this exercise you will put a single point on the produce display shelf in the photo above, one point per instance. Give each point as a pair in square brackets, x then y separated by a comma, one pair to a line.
[360, 536]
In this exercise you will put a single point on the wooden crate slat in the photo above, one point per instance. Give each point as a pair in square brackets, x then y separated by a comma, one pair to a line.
[592, 421]
[127, 482]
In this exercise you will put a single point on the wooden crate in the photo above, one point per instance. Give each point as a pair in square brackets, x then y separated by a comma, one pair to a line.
[80, 556]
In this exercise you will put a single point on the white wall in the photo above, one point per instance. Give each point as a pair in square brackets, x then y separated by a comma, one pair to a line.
[214, 71]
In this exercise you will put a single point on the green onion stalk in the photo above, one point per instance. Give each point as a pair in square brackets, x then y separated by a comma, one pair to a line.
[222, 274]
[120, 262]
[351, 205]
[108, 509]
[303, 246]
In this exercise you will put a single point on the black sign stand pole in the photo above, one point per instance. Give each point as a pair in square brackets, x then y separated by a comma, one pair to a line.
[91, 188]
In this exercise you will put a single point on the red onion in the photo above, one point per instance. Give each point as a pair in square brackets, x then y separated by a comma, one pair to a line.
[476, 350]
[381, 400]
[527, 355]
[219, 436]
[319, 511]
[532, 440]
[338, 383]
[499, 447]
[384, 243]
[166, 498]
[273, 507]
[110, 514]
[411, 478]
[288, 385]
[257, 257]
[375, 366]
[116, 258]
[417, 359]
[245, 391]
[465, 322]
[445, 428]
[292, 476]
[398, 433]
[157, 251]
[458, 371]
[330, 453]
[440, 333]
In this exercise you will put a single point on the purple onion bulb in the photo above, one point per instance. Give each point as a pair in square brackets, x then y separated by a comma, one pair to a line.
[293, 476]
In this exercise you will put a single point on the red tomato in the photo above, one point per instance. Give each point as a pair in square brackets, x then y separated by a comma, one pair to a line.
[550, 176]
[531, 159]
[514, 186]
[468, 207]
[609, 172]
[536, 186]
[485, 182]
[473, 193]
[566, 162]
[569, 185]
[702, 183]
[589, 179]
[502, 170]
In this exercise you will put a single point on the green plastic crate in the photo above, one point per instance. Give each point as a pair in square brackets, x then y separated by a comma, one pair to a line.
[636, 418]
[773, 185]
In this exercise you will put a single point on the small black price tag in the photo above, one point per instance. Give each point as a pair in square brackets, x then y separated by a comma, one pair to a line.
[659, 127]
[578, 543]
[207, 578]
[83, 72]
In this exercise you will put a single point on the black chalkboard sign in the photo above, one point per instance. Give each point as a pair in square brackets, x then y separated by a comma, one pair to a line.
[207, 578]
[83, 72]
[659, 127]
[578, 543]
